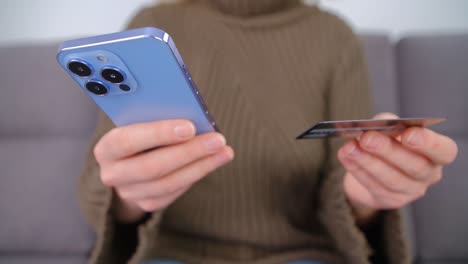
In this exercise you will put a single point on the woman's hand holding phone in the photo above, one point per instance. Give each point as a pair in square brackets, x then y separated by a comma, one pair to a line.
[148, 162]
[150, 165]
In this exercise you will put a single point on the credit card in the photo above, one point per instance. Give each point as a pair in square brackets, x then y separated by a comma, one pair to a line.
[353, 128]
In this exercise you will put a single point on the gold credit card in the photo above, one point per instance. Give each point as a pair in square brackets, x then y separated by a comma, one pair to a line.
[353, 128]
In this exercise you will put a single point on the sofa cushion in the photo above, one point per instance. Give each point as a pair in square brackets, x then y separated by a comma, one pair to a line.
[38, 98]
[441, 217]
[38, 196]
[382, 73]
[41, 259]
[45, 124]
[433, 80]
[442, 261]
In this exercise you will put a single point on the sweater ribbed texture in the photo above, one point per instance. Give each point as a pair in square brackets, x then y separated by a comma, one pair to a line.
[247, 8]
[265, 79]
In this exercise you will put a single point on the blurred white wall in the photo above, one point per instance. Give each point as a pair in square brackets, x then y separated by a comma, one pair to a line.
[49, 20]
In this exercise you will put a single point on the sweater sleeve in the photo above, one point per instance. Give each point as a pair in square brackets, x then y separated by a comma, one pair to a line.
[115, 242]
[348, 97]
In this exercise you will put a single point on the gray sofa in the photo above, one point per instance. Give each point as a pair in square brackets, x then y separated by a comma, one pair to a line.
[45, 124]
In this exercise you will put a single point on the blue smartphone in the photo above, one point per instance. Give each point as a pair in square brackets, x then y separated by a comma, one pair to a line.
[136, 76]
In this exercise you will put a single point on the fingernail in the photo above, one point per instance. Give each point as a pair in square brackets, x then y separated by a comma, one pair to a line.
[224, 158]
[185, 130]
[373, 141]
[351, 150]
[415, 138]
[215, 143]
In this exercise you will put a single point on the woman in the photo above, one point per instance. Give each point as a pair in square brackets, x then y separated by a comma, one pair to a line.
[267, 69]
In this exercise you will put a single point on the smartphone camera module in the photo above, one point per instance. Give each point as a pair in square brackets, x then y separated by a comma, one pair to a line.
[96, 87]
[80, 68]
[100, 72]
[112, 75]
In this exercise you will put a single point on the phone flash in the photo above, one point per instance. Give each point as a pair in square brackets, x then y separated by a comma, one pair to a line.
[101, 58]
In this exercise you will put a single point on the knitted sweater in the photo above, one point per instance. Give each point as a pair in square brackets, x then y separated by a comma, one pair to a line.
[267, 70]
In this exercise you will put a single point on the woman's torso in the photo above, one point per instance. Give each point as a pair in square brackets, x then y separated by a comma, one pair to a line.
[264, 80]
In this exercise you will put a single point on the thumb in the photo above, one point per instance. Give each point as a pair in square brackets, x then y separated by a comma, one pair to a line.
[385, 115]
[388, 115]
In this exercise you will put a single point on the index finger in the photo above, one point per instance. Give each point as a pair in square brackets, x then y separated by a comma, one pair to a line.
[122, 142]
[438, 148]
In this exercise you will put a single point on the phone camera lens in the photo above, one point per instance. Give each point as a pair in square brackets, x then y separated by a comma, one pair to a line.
[124, 87]
[96, 88]
[112, 75]
[80, 68]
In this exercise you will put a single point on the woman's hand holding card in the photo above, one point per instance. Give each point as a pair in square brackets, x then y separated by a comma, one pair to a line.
[385, 172]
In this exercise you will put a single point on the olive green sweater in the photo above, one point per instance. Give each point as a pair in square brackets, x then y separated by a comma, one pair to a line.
[267, 69]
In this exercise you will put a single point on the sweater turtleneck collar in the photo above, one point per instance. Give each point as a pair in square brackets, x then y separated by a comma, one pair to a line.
[248, 8]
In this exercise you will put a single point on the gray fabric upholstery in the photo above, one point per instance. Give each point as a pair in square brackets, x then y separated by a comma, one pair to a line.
[38, 98]
[460, 261]
[45, 123]
[42, 260]
[382, 72]
[39, 208]
[433, 81]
